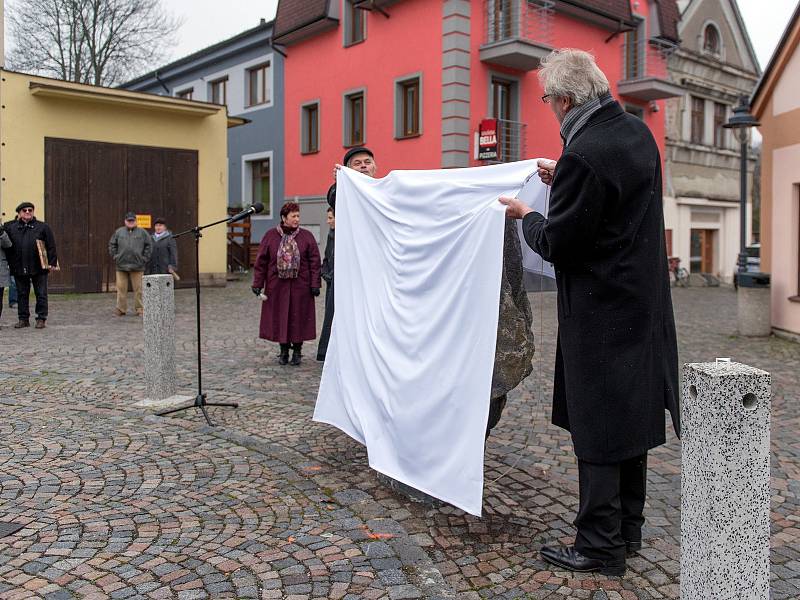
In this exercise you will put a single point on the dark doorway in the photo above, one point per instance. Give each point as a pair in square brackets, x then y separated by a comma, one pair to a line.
[89, 186]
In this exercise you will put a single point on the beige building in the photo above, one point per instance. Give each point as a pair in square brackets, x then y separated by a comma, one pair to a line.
[776, 104]
[86, 155]
[715, 65]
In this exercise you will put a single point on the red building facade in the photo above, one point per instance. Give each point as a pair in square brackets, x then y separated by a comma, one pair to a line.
[414, 79]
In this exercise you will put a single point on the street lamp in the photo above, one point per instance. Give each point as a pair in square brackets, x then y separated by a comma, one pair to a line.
[742, 122]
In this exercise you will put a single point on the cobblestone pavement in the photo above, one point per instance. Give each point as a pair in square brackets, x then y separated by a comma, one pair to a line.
[119, 503]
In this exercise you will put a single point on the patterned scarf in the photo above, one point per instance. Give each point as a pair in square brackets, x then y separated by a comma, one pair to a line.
[580, 115]
[288, 254]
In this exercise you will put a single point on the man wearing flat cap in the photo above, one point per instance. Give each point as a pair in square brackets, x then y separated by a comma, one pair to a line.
[32, 255]
[130, 247]
[359, 159]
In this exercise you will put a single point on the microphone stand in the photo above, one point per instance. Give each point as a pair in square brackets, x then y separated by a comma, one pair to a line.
[200, 399]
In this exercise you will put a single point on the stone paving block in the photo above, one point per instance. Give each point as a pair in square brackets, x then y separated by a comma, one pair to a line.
[237, 505]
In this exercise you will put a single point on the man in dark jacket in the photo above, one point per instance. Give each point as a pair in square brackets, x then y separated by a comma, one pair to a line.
[616, 359]
[327, 275]
[164, 258]
[33, 246]
[130, 247]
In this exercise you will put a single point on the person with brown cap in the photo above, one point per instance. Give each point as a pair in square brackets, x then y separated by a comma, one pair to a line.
[130, 246]
[31, 256]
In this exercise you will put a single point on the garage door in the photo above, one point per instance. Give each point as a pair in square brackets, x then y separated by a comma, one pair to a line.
[89, 186]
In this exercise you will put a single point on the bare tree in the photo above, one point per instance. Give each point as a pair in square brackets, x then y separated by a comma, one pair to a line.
[101, 42]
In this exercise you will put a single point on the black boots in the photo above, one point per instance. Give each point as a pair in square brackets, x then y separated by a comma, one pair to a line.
[283, 359]
[296, 355]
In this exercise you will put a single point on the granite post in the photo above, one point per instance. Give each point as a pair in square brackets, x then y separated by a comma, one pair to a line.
[158, 293]
[725, 491]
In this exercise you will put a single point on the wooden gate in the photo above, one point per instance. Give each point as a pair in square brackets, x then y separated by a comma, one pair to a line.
[89, 186]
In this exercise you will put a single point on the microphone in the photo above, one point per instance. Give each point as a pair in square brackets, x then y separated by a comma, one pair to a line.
[254, 209]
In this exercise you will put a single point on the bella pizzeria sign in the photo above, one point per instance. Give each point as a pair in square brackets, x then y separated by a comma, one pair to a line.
[487, 140]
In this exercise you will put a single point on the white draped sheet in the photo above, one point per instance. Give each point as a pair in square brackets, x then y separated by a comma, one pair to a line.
[409, 366]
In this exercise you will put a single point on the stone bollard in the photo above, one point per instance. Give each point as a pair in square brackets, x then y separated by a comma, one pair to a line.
[753, 304]
[725, 499]
[158, 293]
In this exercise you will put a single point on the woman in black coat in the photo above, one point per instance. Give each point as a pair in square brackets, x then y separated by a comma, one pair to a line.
[164, 258]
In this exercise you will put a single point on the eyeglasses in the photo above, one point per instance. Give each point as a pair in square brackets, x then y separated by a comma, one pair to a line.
[26, 210]
[546, 98]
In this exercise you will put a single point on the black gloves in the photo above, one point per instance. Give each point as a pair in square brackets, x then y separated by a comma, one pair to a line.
[256, 291]
[315, 292]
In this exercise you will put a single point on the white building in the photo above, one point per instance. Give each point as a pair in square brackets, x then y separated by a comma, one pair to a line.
[716, 65]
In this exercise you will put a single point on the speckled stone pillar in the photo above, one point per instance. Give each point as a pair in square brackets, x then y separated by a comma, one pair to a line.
[725, 417]
[158, 293]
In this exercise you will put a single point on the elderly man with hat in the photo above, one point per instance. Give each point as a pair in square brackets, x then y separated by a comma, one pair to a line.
[31, 256]
[360, 159]
[130, 247]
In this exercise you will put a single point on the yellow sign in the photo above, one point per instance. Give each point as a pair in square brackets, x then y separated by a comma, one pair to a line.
[144, 221]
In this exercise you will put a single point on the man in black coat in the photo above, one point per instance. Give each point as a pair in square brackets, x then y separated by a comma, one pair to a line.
[616, 359]
[26, 262]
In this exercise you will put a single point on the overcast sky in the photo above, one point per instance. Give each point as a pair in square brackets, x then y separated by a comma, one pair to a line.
[210, 21]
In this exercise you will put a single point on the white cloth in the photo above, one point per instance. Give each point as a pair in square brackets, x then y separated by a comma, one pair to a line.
[409, 365]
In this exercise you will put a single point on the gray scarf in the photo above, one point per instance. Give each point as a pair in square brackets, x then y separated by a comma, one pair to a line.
[578, 117]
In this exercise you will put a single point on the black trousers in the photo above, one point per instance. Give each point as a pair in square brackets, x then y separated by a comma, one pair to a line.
[610, 507]
[39, 283]
[325, 335]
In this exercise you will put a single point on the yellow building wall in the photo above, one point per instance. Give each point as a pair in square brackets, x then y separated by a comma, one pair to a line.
[27, 119]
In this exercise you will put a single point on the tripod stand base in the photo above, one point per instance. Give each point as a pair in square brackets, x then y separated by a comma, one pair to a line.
[199, 402]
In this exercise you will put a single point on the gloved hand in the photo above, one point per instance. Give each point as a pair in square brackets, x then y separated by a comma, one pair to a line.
[256, 290]
[315, 292]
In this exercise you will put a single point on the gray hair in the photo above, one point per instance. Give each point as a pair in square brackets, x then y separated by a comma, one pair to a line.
[572, 74]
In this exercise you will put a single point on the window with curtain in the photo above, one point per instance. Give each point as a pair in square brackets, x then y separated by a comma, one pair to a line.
[410, 108]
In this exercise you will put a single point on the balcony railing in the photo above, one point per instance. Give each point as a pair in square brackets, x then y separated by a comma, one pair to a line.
[511, 141]
[518, 33]
[644, 71]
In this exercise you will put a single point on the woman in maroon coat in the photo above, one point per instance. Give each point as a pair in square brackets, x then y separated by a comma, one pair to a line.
[287, 269]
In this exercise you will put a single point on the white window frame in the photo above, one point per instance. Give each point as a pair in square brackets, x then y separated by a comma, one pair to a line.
[247, 181]
[245, 68]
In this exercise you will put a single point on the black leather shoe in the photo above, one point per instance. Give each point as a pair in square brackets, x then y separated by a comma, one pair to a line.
[633, 547]
[568, 558]
[295, 358]
[283, 359]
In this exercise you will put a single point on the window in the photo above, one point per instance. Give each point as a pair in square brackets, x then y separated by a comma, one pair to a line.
[219, 91]
[408, 108]
[634, 52]
[711, 40]
[310, 129]
[503, 104]
[258, 83]
[698, 119]
[354, 119]
[720, 114]
[501, 17]
[185, 94]
[260, 190]
[355, 24]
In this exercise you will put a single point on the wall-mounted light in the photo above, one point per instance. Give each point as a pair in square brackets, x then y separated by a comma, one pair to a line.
[654, 107]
